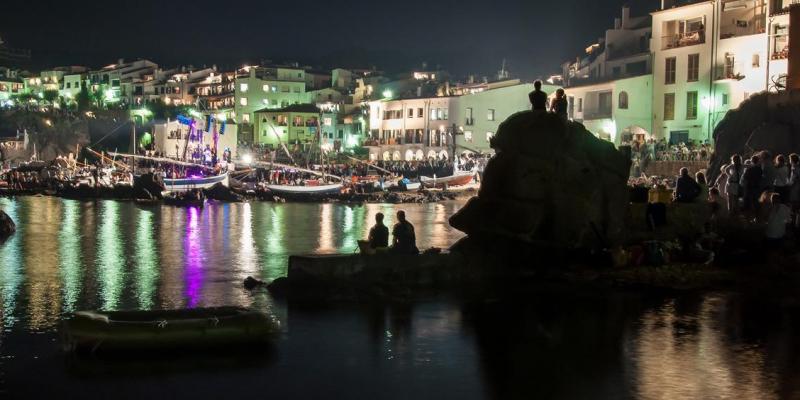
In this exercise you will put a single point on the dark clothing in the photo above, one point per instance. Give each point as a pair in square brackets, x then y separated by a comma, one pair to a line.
[538, 100]
[379, 236]
[751, 186]
[560, 107]
[686, 189]
[405, 240]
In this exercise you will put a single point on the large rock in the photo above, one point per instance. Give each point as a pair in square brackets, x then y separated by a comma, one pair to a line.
[148, 186]
[7, 226]
[551, 183]
[765, 121]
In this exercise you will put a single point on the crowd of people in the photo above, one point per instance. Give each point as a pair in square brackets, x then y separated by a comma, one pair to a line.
[761, 189]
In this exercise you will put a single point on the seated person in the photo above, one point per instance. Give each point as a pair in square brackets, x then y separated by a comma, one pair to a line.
[405, 240]
[379, 234]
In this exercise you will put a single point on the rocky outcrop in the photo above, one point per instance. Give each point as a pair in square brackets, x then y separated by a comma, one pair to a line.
[7, 226]
[552, 183]
[148, 186]
[765, 121]
[221, 192]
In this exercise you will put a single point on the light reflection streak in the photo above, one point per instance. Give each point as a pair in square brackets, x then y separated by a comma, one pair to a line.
[193, 258]
[70, 254]
[110, 259]
[247, 254]
[275, 258]
[146, 260]
[326, 243]
[40, 241]
[11, 274]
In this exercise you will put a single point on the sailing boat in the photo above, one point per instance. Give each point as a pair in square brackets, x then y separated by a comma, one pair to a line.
[187, 183]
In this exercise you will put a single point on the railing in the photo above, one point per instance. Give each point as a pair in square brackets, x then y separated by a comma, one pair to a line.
[780, 55]
[596, 114]
[683, 39]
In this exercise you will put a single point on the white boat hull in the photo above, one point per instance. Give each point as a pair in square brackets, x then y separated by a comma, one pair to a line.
[184, 184]
[304, 192]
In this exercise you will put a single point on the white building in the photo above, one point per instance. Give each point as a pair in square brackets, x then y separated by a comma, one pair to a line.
[410, 129]
[169, 138]
[708, 57]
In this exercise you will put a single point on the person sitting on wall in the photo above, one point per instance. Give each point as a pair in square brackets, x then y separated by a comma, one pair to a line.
[686, 188]
[379, 233]
[537, 97]
[404, 238]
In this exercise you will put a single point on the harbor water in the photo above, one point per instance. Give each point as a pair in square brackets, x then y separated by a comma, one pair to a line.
[547, 343]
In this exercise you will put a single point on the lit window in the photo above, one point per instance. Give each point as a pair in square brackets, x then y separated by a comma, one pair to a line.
[243, 101]
[468, 136]
[243, 87]
[756, 60]
[490, 115]
[246, 118]
[265, 88]
[327, 121]
[419, 113]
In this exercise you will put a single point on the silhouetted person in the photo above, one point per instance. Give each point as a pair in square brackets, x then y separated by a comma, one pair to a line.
[686, 188]
[379, 234]
[537, 97]
[404, 238]
[559, 106]
[751, 185]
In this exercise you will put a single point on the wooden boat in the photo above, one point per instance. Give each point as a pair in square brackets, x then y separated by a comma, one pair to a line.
[457, 179]
[168, 329]
[198, 182]
[305, 193]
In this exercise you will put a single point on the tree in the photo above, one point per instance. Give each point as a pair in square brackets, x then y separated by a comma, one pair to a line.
[50, 96]
[83, 99]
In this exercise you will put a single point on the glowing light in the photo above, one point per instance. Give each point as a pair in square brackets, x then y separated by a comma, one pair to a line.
[706, 102]
[247, 159]
[387, 94]
[110, 259]
[195, 113]
[109, 94]
[70, 254]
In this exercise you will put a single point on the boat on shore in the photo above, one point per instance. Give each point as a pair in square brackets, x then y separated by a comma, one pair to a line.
[459, 178]
[195, 182]
[305, 192]
[166, 329]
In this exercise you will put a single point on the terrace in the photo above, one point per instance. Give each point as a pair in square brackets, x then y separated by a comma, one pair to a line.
[682, 33]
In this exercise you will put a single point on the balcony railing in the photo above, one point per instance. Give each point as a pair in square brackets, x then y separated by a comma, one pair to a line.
[683, 39]
[596, 114]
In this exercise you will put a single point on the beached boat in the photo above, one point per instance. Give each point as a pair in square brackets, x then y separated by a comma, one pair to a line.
[457, 179]
[305, 192]
[195, 182]
[168, 329]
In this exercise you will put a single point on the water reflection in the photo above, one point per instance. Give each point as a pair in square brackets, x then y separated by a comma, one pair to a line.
[110, 256]
[11, 273]
[146, 262]
[69, 254]
[194, 258]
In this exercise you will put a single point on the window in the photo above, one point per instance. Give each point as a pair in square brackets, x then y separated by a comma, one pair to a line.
[434, 114]
[490, 115]
[468, 113]
[285, 89]
[419, 113]
[693, 70]
[265, 88]
[756, 60]
[243, 101]
[468, 136]
[580, 104]
[242, 87]
[730, 61]
[623, 100]
[669, 71]
[246, 118]
[691, 105]
[604, 103]
[669, 106]
[410, 113]
[327, 121]
[724, 99]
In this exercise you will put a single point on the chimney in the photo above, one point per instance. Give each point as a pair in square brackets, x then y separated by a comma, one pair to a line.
[793, 76]
[626, 16]
[617, 23]
[665, 4]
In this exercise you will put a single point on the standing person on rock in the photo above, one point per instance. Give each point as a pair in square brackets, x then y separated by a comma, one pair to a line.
[537, 97]
[751, 186]
[559, 106]
[733, 186]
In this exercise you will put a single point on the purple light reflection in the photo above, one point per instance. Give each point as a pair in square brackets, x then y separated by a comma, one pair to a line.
[193, 258]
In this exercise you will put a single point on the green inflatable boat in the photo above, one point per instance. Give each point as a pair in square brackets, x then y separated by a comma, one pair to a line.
[167, 329]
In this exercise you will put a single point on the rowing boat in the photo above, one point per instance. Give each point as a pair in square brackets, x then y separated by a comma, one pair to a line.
[167, 329]
[457, 179]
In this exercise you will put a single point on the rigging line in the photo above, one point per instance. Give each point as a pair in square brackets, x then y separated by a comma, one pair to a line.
[108, 134]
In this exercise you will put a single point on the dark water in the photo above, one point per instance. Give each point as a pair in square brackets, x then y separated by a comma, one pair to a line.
[545, 343]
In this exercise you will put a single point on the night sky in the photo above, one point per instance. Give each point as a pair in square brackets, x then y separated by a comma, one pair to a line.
[465, 36]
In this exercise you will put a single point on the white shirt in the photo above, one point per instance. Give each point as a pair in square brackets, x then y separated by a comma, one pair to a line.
[779, 216]
[781, 176]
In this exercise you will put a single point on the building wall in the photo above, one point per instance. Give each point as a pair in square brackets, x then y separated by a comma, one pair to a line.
[250, 95]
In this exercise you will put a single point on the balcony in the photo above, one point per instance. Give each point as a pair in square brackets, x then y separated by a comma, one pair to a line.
[683, 39]
[778, 7]
[597, 114]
